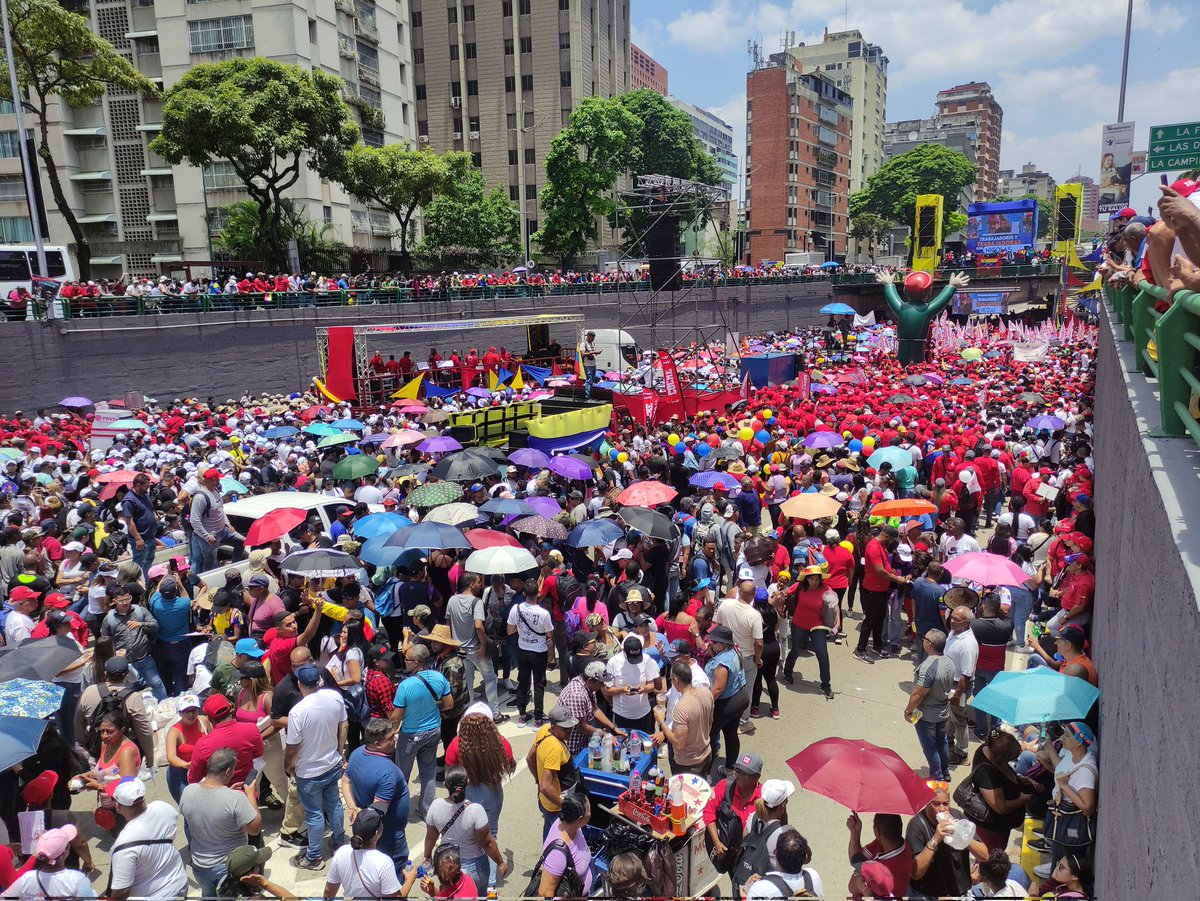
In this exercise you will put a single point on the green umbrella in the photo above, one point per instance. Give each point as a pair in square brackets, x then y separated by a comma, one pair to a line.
[435, 493]
[44, 478]
[128, 424]
[355, 467]
[339, 438]
[10, 453]
[233, 486]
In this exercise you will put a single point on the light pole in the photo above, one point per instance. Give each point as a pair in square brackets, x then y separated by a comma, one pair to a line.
[1125, 62]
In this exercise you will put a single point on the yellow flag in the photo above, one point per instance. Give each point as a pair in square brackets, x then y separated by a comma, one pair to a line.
[412, 390]
[493, 382]
[518, 383]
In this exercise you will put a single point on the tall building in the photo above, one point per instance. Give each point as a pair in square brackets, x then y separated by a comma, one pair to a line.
[973, 102]
[143, 216]
[858, 68]
[646, 72]
[501, 78]
[798, 161]
[908, 134]
[1028, 181]
[717, 137]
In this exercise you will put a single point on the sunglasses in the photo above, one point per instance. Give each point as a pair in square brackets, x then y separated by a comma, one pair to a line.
[937, 785]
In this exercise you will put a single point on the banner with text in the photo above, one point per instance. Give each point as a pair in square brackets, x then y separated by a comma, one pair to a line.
[1115, 164]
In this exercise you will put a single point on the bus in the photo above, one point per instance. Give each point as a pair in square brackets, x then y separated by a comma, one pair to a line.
[18, 263]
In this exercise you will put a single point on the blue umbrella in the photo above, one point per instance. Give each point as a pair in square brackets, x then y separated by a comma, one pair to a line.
[320, 429]
[375, 525]
[712, 478]
[349, 424]
[962, 381]
[30, 698]
[1050, 423]
[831, 264]
[428, 535]
[19, 738]
[838, 309]
[507, 506]
[1038, 695]
[376, 552]
[281, 431]
[594, 533]
[897, 456]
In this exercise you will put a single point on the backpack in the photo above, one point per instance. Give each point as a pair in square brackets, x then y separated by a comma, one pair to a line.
[785, 890]
[109, 703]
[729, 831]
[385, 598]
[808, 554]
[495, 624]
[753, 856]
[569, 589]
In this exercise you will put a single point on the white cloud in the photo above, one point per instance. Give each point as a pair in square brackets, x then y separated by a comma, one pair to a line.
[725, 25]
[645, 34]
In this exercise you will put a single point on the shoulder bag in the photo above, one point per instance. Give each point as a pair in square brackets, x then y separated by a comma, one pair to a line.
[569, 886]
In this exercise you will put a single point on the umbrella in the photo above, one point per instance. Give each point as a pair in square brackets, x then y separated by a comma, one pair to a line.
[897, 456]
[823, 440]
[570, 468]
[711, 478]
[453, 514]
[648, 493]
[507, 506]
[355, 467]
[961, 381]
[1031, 397]
[121, 477]
[464, 467]
[1050, 423]
[320, 563]
[404, 439]
[428, 536]
[933, 377]
[377, 438]
[983, 568]
[434, 416]
[500, 561]
[595, 533]
[375, 525]
[349, 424]
[904, 507]
[19, 738]
[726, 453]
[339, 438]
[433, 493]
[823, 389]
[314, 411]
[29, 697]
[377, 552]
[915, 381]
[442, 444]
[409, 469]
[529, 456]
[75, 401]
[10, 453]
[481, 538]
[320, 429]
[838, 309]
[281, 431]
[233, 486]
[649, 522]
[901, 399]
[41, 659]
[972, 354]
[1038, 695]
[545, 506]
[861, 776]
[410, 406]
[541, 527]
[274, 525]
[492, 453]
[831, 264]
[810, 506]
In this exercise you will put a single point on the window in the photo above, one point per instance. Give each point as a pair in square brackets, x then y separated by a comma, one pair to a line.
[312, 31]
[16, 230]
[523, 7]
[826, 135]
[477, 160]
[403, 73]
[531, 225]
[530, 155]
[327, 214]
[564, 40]
[511, 121]
[422, 126]
[469, 12]
[12, 187]
[219, 176]
[530, 192]
[416, 18]
[372, 138]
[529, 119]
[527, 82]
[457, 125]
[6, 108]
[566, 117]
[419, 56]
[564, 79]
[564, 5]
[454, 51]
[368, 57]
[512, 157]
[452, 14]
[513, 192]
[506, 9]
[456, 89]
[10, 147]
[527, 45]
[224, 33]
[472, 88]
[469, 50]
[404, 113]
[508, 47]
[510, 84]
[420, 92]
[474, 120]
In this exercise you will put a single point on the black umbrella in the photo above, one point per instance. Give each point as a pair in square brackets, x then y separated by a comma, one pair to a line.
[41, 659]
[464, 467]
[901, 399]
[1032, 397]
[492, 453]
[649, 522]
[320, 562]
[916, 381]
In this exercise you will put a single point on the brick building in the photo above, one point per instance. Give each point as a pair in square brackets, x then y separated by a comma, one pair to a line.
[645, 71]
[797, 161]
[974, 101]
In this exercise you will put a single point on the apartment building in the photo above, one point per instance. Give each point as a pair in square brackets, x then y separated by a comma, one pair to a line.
[960, 135]
[717, 137]
[646, 72]
[1030, 180]
[974, 103]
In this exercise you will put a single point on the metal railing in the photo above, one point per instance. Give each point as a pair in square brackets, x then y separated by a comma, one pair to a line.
[1025, 270]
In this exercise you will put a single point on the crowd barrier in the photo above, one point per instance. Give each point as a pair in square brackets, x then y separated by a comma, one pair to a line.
[1024, 270]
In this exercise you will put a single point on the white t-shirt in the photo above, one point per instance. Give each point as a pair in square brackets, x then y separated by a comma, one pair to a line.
[377, 872]
[368, 494]
[36, 886]
[624, 672]
[201, 675]
[806, 879]
[533, 624]
[963, 649]
[1079, 775]
[952, 547]
[17, 628]
[313, 725]
[1024, 527]
[473, 818]
[149, 871]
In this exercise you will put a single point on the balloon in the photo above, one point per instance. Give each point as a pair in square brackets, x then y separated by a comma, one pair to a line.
[855, 445]
[766, 414]
[848, 434]
[762, 436]
[680, 448]
[746, 433]
[614, 453]
[770, 420]
[622, 457]
[756, 424]
[868, 443]
[672, 439]
[703, 450]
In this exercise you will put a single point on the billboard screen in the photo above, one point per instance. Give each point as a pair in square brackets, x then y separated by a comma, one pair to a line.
[1115, 164]
[1001, 227]
[980, 303]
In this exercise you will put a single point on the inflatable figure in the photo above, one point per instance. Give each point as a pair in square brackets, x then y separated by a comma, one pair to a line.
[918, 312]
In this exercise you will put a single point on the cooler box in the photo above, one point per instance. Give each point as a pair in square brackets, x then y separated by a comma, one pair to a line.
[769, 369]
[610, 786]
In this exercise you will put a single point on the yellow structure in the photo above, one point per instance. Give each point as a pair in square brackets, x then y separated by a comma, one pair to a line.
[927, 232]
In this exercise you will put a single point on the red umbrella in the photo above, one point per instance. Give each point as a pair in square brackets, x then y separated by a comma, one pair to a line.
[861, 776]
[647, 494]
[313, 412]
[274, 525]
[904, 507]
[485, 538]
[121, 477]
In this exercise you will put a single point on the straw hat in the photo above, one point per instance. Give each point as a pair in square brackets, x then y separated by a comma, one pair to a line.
[441, 634]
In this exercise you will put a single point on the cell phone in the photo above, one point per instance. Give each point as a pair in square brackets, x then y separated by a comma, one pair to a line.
[1162, 180]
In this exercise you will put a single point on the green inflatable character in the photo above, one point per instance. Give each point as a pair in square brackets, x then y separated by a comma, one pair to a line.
[916, 315]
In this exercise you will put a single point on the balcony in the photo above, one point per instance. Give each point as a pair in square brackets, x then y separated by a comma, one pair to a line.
[365, 29]
[346, 6]
[92, 175]
[149, 126]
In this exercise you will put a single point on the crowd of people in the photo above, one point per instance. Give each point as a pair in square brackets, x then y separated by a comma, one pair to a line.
[341, 692]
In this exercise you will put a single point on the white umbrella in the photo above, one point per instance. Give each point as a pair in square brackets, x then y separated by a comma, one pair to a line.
[453, 514]
[493, 561]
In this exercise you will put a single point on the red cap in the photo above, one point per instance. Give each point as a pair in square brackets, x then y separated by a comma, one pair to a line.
[38, 791]
[217, 705]
[878, 878]
[1185, 187]
[23, 593]
[212, 473]
[270, 635]
[57, 601]
[1081, 541]
[1129, 212]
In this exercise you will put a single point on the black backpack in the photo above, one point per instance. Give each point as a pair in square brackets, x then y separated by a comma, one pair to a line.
[109, 702]
[753, 857]
[729, 831]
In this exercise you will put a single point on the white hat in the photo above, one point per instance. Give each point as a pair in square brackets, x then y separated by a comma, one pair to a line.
[745, 574]
[129, 792]
[623, 554]
[776, 791]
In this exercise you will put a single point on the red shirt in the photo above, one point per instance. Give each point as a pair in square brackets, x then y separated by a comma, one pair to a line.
[380, 692]
[280, 656]
[1077, 590]
[79, 629]
[876, 554]
[841, 566]
[743, 807]
[244, 738]
[464, 888]
[452, 758]
[808, 608]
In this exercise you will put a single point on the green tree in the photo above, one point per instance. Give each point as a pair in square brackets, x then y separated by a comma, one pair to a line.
[891, 193]
[955, 222]
[467, 226]
[59, 58]
[401, 180]
[264, 118]
[869, 228]
[242, 237]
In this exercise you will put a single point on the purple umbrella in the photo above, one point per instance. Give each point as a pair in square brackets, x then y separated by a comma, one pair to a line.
[479, 392]
[377, 438]
[936, 379]
[569, 468]
[824, 389]
[529, 456]
[545, 506]
[1051, 423]
[443, 444]
[712, 478]
[823, 440]
[75, 401]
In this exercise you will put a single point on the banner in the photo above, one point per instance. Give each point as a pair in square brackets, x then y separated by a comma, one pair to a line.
[927, 232]
[867, 321]
[980, 303]
[804, 384]
[1001, 227]
[412, 390]
[1116, 148]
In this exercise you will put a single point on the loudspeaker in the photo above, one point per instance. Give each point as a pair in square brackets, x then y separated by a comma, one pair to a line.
[1065, 208]
[518, 438]
[463, 434]
[662, 249]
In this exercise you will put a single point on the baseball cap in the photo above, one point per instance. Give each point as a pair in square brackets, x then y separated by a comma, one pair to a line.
[249, 647]
[680, 646]
[832, 535]
[74, 547]
[749, 763]
[1072, 632]
[561, 716]
[623, 554]
[596, 670]
[212, 473]
[308, 675]
[632, 646]
[129, 791]
[722, 634]
[55, 843]
[23, 593]
[1185, 187]
[1085, 499]
[776, 791]
[252, 670]
[244, 860]
[1129, 212]
[745, 574]
[216, 705]
[379, 653]
[877, 877]
[116, 666]
[258, 582]
[56, 601]
[188, 702]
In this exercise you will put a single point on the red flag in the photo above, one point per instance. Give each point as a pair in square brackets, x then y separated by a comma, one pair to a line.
[746, 386]
[649, 405]
[671, 402]
[556, 369]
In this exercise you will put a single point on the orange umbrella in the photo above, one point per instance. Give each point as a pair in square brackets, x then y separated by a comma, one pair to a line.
[647, 493]
[810, 506]
[908, 506]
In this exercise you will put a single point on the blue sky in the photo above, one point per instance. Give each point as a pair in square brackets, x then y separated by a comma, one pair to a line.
[1054, 65]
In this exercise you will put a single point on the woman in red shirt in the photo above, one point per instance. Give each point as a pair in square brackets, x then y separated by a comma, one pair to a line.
[181, 739]
[814, 618]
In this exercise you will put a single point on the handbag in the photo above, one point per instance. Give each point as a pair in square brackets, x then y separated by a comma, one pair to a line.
[1070, 826]
[971, 802]
[569, 886]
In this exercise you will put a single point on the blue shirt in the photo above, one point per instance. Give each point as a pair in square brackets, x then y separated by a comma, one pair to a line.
[415, 696]
[139, 510]
[377, 776]
[729, 659]
[927, 598]
[174, 616]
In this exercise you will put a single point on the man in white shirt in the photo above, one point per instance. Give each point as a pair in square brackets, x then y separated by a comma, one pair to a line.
[635, 676]
[17, 628]
[792, 854]
[316, 737]
[145, 862]
[532, 624]
[746, 624]
[681, 649]
[962, 649]
[956, 540]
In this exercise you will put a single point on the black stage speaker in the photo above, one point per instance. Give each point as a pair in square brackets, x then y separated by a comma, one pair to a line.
[662, 249]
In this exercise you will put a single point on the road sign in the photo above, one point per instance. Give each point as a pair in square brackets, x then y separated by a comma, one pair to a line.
[1174, 147]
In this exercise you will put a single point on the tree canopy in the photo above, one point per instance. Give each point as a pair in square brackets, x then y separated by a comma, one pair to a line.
[318, 249]
[57, 55]
[262, 117]
[467, 226]
[870, 229]
[891, 193]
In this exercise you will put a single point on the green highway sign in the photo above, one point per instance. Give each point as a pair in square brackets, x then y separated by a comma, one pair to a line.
[1174, 147]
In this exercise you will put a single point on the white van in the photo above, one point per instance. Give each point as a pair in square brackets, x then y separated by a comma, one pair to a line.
[618, 351]
[18, 263]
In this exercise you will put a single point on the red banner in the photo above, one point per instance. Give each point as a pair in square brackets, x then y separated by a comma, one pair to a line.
[804, 384]
[671, 402]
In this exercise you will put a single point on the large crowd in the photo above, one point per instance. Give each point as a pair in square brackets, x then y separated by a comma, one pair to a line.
[338, 661]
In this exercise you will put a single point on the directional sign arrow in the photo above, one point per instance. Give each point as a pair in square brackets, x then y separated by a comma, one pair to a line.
[1159, 134]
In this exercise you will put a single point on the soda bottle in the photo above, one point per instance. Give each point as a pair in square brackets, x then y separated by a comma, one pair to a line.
[635, 787]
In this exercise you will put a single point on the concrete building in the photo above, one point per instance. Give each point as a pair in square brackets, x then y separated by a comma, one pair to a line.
[908, 134]
[973, 103]
[646, 72]
[142, 215]
[500, 79]
[798, 161]
[1091, 201]
[717, 137]
[1028, 181]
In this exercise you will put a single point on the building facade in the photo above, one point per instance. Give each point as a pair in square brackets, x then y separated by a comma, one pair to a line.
[798, 161]
[646, 72]
[961, 136]
[717, 137]
[1028, 181]
[973, 106]
[143, 216]
[500, 79]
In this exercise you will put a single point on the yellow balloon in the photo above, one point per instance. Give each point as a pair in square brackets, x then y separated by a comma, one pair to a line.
[766, 414]
[746, 433]
[868, 443]
[672, 439]
[622, 457]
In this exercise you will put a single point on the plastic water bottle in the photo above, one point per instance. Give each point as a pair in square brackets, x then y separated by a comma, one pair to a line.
[606, 754]
[594, 753]
[635, 787]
